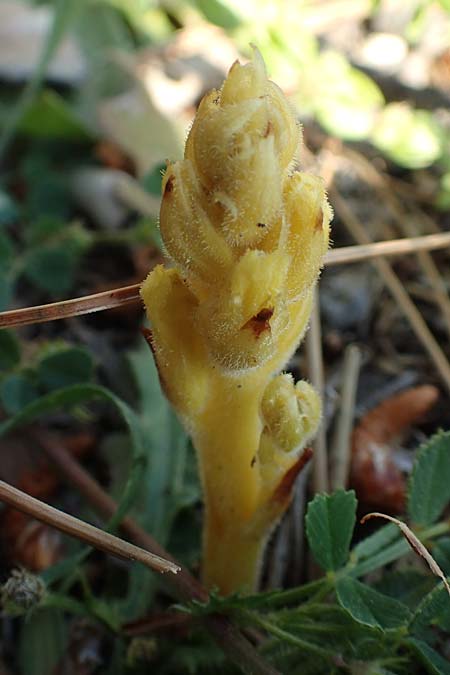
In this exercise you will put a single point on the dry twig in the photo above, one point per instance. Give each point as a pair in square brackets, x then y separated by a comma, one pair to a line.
[81, 530]
[228, 637]
[126, 295]
[396, 288]
[408, 223]
[341, 448]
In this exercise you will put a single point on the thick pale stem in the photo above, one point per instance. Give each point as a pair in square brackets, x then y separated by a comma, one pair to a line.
[228, 452]
[231, 557]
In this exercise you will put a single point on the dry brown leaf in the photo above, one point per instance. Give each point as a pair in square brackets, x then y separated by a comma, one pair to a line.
[26, 541]
[374, 473]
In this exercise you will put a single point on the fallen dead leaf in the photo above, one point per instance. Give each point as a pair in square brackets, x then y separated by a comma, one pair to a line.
[374, 474]
[26, 541]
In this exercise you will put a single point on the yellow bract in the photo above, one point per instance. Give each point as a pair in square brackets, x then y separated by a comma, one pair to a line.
[246, 236]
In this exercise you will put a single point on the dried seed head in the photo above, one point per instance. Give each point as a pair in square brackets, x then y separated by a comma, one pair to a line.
[22, 592]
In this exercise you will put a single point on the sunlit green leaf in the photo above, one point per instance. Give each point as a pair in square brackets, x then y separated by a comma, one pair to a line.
[219, 12]
[411, 138]
[347, 100]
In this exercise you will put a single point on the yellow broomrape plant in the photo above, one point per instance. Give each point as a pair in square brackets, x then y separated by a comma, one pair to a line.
[245, 233]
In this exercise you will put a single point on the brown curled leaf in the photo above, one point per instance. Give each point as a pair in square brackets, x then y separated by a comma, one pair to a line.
[399, 412]
[415, 544]
[374, 474]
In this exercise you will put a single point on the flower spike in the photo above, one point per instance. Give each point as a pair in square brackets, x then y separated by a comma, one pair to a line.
[245, 235]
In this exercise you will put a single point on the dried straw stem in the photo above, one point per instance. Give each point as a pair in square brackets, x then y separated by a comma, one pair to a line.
[341, 447]
[408, 223]
[234, 644]
[396, 288]
[81, 530]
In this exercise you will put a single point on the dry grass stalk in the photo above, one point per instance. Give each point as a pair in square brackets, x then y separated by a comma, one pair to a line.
[408, 224]
[81, 530]
[341, 447]
[228, 637]
[396, 288]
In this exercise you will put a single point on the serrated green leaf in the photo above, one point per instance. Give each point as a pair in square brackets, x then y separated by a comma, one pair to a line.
[16, 392]
[65, 367]
[370, 607]
[330, 520]
[9, 350]
[43, 641]
[433, 662]
[429, 610]
[429, 485]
